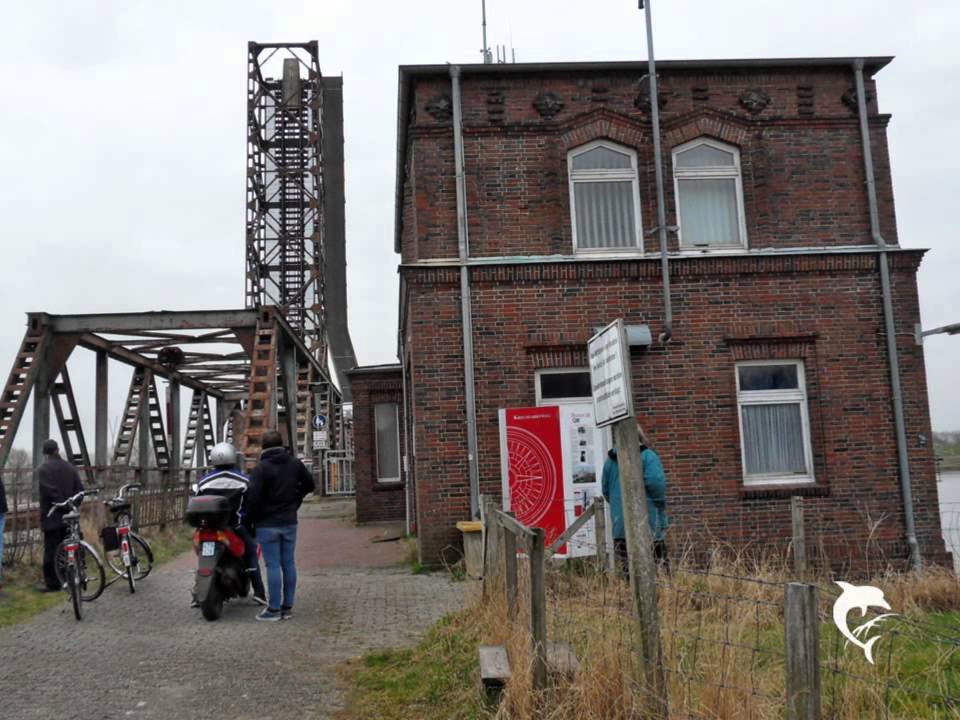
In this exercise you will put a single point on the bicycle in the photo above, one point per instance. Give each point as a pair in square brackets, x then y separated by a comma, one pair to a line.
[85, 584]
[126, 552]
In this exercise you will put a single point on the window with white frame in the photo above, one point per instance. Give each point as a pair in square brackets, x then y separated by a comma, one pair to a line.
[774, 422]
[562, 385]
[388, 442]
[709, 193]
[604, 197]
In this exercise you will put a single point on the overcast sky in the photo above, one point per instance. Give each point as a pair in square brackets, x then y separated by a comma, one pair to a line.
[122, 137]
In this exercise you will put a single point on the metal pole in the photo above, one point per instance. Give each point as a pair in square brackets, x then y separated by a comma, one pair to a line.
[894, 364]
[486, 51]
[658, 168]
[465, 308]
[101, 410]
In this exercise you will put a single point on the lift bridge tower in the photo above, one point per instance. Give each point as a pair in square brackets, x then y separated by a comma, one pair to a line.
[271, 364]
[295, 249]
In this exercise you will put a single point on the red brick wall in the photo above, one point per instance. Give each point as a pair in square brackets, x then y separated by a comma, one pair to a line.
[803, 184]
[825, 310]
[803, 175]
[376, 501]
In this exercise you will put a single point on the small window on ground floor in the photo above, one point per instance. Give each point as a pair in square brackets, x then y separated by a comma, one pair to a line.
[388, 442]
[774, 422]
[553, 385]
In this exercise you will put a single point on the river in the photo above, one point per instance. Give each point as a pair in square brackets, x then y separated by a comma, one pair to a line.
[949, 492]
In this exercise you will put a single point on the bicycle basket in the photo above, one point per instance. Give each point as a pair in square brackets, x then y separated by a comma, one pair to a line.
[110, 538]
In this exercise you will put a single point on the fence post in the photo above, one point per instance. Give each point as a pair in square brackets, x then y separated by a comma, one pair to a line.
[642, 568]
[801, 627]
[600, 532]
[510, 571]
[538, 610]
[799, 536]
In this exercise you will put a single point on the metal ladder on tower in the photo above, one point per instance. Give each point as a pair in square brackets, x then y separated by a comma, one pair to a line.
[68, 420]
[261, 407]
[13, 400]
[123, 448]
[304, 418]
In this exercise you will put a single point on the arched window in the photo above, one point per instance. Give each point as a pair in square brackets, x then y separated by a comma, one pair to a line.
[709, 193]
[604, 197]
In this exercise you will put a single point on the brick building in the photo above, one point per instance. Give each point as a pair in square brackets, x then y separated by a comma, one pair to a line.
[776, 379]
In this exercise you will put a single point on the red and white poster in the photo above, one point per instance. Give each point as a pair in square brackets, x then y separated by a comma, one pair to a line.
[531, 456]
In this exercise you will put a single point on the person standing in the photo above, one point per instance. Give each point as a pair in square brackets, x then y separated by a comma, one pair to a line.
[278, 485]
[655, 493]
[58, 481]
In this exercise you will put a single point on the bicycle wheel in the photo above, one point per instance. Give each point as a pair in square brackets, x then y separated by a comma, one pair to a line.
[141, 556]
[73, 586]
[92, 578]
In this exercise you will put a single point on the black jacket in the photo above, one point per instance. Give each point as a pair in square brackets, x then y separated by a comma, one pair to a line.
[278, 485]
[58, 481]
[3, 499]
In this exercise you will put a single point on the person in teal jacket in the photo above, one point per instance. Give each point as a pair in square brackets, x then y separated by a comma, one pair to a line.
[655, 489]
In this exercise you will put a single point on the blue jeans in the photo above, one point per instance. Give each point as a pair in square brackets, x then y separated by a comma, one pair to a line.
[278, 544]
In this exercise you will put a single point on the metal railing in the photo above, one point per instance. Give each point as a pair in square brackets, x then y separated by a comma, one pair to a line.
[338, 477]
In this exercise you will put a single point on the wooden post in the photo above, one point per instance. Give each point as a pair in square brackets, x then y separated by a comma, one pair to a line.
[799, 536]
[492, 557]
[510, 571]
[538, 610]
[801, 647]
[600, 531]
[642, 568]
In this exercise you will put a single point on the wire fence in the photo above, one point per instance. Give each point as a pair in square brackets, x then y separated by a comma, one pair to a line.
[723, 622]
[161, 500]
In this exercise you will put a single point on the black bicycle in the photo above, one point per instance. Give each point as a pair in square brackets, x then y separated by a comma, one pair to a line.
[127, 553]
[77, 563]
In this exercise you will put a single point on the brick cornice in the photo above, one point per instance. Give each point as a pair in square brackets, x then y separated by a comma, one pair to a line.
[573, 270]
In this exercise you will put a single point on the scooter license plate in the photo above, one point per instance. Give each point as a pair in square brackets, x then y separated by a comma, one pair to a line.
[208, 549]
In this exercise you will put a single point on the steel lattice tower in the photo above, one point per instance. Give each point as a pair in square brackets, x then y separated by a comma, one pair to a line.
[284, 242]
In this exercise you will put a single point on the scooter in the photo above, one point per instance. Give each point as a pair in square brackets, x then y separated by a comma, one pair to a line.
[221, 574]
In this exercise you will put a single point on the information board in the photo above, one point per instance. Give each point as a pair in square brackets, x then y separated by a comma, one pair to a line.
[609, 357]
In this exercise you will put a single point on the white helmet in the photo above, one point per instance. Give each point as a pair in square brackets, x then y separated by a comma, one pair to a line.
[223, 455]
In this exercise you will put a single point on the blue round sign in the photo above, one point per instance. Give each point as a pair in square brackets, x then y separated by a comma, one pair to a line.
[319, 422]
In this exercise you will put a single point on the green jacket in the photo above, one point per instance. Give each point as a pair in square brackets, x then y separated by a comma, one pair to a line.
[655, 490]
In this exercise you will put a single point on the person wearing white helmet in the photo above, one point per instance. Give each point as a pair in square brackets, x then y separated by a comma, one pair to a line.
[227, 480]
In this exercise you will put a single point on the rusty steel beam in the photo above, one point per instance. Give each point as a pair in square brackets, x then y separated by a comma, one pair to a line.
[149, 321]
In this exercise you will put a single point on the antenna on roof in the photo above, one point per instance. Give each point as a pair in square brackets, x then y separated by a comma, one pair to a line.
[487, 55]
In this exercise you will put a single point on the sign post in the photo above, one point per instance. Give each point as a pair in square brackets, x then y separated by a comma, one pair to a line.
[610, 383]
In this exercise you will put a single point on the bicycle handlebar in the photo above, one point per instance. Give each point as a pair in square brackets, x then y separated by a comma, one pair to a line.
[74, 501]
[125, 488]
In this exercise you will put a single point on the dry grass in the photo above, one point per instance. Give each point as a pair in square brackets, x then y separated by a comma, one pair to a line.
[722, 643]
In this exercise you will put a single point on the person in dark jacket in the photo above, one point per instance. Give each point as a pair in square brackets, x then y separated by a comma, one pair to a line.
[58, 481]
[3, 521]
[278, 485]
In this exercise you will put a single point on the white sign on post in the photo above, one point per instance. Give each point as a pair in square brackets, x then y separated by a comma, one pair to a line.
[320, 440]
[610, 374]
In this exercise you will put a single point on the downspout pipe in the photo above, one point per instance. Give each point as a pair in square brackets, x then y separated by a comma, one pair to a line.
[466, 312]
[658, 167]
[892, 357]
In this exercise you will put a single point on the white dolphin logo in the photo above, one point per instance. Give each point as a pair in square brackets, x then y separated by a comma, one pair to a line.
[863, 597]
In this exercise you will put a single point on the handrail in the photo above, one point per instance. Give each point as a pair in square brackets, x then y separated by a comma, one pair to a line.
[564, 537]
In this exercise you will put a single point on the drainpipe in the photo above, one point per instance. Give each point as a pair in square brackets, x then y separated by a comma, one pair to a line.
[894, 364]
[661, 204]
[465, 311]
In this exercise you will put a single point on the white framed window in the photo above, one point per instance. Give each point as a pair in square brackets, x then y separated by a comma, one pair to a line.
[709, 192]
[388, 442]
[604, 198]
[563, 385]
[774, 422]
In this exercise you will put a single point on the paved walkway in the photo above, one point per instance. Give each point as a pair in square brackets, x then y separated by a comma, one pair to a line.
[149, 656]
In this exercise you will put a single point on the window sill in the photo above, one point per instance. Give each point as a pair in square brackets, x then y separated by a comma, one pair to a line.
[772, 491]
[387, 485]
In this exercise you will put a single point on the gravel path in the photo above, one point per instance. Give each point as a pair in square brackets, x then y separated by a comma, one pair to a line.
[149, 656]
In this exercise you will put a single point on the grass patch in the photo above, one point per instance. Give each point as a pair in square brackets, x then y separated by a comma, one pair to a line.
[436, 679]
[20, 601]
[723, 644]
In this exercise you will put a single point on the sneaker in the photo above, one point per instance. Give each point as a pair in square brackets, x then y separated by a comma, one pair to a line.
[268, 615]
[286, 613]
[260, 600]
[194, 603]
